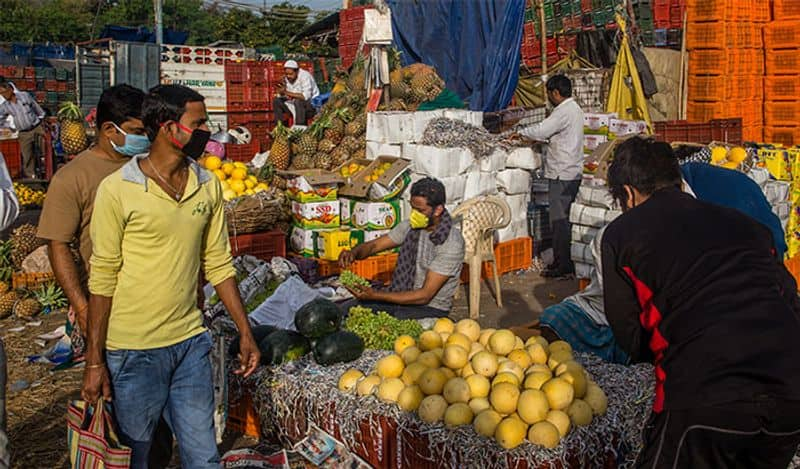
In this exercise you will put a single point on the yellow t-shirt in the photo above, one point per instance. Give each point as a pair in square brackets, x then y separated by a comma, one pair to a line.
[147, 253]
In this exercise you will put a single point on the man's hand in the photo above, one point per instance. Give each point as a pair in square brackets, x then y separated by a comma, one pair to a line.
[346, 258]
[249, 356]
[363, 292]
[82, 316]
[96, 383]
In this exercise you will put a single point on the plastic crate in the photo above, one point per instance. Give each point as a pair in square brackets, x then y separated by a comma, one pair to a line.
[235, 72]
[376, 268]
[722, 35]
[11, 154]
[264, 245]
[782, 34]
[243, 418]
[716, 10]
[782, 88]
[242, 153]
[727, 130]
[257, 73]
[236, 97]
[721, 88]
[782, 113]
[786, 9]
[783, 62]
[512, 255]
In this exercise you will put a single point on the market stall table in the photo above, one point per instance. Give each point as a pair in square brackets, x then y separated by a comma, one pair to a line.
[288, 397]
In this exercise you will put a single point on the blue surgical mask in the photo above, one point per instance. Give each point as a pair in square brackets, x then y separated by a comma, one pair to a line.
[134, 144]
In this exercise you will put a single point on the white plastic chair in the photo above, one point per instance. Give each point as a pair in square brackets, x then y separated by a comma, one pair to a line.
[480, 218]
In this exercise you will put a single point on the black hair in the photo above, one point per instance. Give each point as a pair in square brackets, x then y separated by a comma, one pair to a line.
[4, 82]
[644, 164]
[118, 104]
[431, 189]
[560, 83]
[165, 103]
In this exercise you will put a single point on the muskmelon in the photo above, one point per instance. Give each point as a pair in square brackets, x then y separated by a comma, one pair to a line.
[403, 342]
[456, 390]
[484, 363]
[580, 413]
[532, 406]
[470, 328]
[390, 389]
[349, 379]
[429, 340]
[596, 399]
[544, 434]
[560, 419]
[479, 385]
[410, 354]
[510, 432]
[390, 366]
[412, 373]
[479, 404]
[504, 397]
[559, 393]
[368, 385]
[457, 338]
[432, 381]
[455, 357]
[502, 342]
[410, 398]
[458, 414]
[429, 359]
[443, 325]
[486, 422]
[432, 409]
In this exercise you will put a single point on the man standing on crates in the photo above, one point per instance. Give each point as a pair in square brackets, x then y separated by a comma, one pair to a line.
[27, 117]
[297, 88]
[562, 133]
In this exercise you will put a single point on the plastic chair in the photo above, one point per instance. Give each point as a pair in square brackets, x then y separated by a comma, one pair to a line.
[480, 218]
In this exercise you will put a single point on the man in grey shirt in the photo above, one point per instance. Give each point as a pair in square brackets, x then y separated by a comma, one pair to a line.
[563, 166]
[27, 116]
[429, 265]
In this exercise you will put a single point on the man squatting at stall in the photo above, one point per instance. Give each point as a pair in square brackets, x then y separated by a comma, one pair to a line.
[430, 260]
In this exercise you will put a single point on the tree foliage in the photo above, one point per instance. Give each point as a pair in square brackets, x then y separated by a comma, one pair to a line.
[70, 21]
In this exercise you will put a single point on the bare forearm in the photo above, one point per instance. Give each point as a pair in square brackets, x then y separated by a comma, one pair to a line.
[68, 276]
[411, 297]
[97, 330]
[292, 95]
[228, 293]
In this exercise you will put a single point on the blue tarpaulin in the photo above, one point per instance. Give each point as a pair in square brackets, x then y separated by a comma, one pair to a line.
[473, 44]
[122, 33]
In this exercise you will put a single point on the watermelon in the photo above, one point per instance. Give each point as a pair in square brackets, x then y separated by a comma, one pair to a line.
[338, 347]
[259, 332]
[282, 346]
[318, 318]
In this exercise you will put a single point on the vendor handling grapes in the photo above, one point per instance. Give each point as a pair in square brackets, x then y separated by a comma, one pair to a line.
[429, 264]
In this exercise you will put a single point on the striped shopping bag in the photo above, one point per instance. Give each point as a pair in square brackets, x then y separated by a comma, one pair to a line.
[93, 443]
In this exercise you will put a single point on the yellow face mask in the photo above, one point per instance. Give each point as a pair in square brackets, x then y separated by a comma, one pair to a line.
[418, 220]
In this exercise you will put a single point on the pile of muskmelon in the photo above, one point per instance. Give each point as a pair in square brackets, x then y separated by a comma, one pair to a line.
[505, 388]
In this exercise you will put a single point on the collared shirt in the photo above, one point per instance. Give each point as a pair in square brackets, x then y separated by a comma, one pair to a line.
[563, 132]
[147, 250]
[25, 112]
[9, 205]
[303, 84]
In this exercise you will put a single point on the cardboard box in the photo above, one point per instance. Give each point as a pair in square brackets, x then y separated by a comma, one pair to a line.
[494, 162]
[390, 182]
[591, 142]
[376, 149]
[376, 215]
[373, 235]
[316, 215]
[518, 205]
[598, 121]
[301, 241]
[595, 196]
[514, 181]
[529, 158]
[312, 185]
[515, 230]
[584, 234]
[478, 184]
[438, 162]
[474, 118]
[329, 244]
[596, 217]
[620, 127]
[346, 210]
[453, 187]
[581, 252]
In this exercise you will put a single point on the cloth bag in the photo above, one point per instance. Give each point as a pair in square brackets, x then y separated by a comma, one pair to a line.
[92, 441]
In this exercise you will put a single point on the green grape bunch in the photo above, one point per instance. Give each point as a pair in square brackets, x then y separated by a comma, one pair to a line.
[380, 330]
[349, 279]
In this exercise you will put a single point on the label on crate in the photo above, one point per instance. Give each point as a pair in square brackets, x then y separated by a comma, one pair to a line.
[620, 127]
[329, 244]
[316, 214]
[598, 121]
[346, 211]
[376, 215]
[301, 241]
[591, 142]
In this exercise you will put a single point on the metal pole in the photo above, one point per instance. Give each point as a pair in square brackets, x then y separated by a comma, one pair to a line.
[159, 22]
[542, 36]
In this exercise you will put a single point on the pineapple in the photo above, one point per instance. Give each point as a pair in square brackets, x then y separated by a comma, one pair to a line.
[357, 126]
[51, 297]
[325, 146]
[72, 133]
[307, 143]
[7, 302]
[340, 155]
[323, 160]
[426, 85]
[303, 161]
[3, 288]
[27, 308]
[358, 74]
[280, 153]
[6, 264]
[335, 132]
[349, 143]
[360, 154]
[23, 242]
[398, 88]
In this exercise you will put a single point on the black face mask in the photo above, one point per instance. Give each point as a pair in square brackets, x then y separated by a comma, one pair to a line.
[196, 145]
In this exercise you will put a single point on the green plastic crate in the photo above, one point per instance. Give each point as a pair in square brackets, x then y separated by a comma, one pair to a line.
[62, 74]
[530, 16]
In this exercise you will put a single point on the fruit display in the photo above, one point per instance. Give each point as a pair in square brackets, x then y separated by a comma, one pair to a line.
[318, 318]
[339, 131]
[509, 390]
[27, 196]
[72, 132]
[351, 170]
[349, 279]
[23, 242]
[380, 330]
[281, 346]
[51, 297]
[377, 172]
[728, 158]
[235, 177]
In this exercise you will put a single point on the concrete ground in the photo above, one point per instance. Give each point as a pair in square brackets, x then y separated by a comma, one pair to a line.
[525, 294]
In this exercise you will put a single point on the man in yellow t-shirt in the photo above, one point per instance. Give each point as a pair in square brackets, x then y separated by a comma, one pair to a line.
[156, 222]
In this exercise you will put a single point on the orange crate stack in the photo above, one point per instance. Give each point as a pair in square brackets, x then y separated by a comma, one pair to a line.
[782, 84]
[376, 268]
[510, 256]
[242, 416]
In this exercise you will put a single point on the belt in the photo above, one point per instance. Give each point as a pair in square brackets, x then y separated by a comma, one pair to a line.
[33, 127]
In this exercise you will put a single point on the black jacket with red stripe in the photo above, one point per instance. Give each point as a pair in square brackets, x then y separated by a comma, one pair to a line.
[696, 289]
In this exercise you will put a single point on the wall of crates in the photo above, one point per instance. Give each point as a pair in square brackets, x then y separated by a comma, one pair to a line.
[659, 23]
[50, 86]
[351, 27]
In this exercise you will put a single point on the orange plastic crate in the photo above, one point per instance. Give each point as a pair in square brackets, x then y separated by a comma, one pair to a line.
[721, 88]
[510, 256]
[753, 133]
[793, 266]
[726, 62]
[723, 35]
[783, 62]
[782, 34]
[716, 10]
[782, 113]
[782, 88]
[786, 9]
[243, 418]
[787, 136]
[376, 268]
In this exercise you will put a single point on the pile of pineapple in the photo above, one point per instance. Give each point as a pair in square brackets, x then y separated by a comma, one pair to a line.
[339, 132]
[27, 196]
[72, 133]
[235, 176]
[24, 303]
[505, 388]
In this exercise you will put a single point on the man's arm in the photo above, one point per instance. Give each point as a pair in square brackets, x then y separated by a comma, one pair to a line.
[622, 307]
[362, 251]
[9, 205]
[545, 129]
[68, 276]
[433, 283]
[249, 355]
[36, 108]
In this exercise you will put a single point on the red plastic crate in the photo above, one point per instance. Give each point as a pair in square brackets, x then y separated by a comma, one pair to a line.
[264, 245]
[236, 97]
[243, 153]
[29, 72]
[13, 157]
[727, 130]
[235, 72]
[257, 73]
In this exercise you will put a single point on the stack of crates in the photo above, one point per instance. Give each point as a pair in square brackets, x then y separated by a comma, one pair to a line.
[726, 62]
[351, 28]
[782, 83]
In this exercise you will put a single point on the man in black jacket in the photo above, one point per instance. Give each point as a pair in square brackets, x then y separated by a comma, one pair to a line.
[697, 289]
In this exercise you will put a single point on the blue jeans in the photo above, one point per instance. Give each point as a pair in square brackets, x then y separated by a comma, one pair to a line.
[174, 381]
